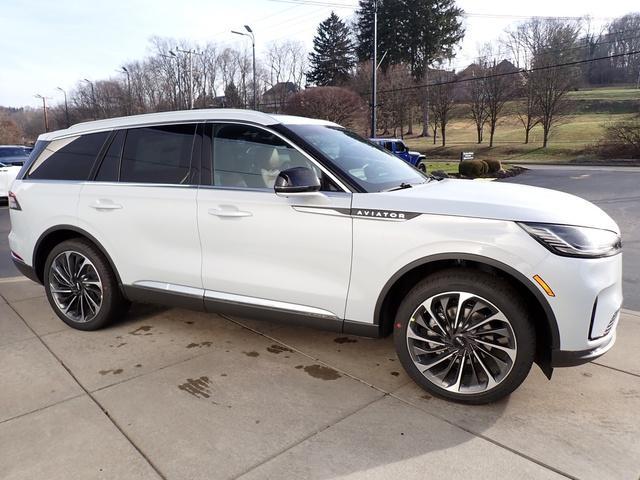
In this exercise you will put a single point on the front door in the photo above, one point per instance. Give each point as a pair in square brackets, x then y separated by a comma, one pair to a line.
[287, 255]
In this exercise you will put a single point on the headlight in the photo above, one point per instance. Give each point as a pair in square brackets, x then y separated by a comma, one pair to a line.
[571, 241]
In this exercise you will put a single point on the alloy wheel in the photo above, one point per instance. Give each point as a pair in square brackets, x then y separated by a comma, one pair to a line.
[75, 286]
[461, 342]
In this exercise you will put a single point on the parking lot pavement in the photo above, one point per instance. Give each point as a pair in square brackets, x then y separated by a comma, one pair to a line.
[615, 190]
[168, 393]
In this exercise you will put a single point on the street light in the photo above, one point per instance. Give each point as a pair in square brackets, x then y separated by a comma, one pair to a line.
[251, 35]
[124, 69]
[173, 56]
[66, 105]
[44, 109]
[93, 98]
[190, 53]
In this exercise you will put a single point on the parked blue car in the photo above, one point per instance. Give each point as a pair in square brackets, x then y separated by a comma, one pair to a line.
[399, 149]
[14, 154]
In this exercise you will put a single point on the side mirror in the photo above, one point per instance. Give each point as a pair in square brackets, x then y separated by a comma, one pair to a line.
[297, 180]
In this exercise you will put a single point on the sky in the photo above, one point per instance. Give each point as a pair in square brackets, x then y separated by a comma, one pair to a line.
[47, 44]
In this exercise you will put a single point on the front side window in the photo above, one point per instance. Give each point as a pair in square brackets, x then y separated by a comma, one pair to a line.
[68, 158]
[249, 157]
[373, 169]
[400, 148]
[158, 154]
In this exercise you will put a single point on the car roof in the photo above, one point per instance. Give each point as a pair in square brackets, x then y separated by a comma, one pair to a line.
[14, 146]
[186, 116]
[377, 139]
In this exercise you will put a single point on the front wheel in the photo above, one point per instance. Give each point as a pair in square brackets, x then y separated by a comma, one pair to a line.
[81, 287]
[422, 167]
[465, 335]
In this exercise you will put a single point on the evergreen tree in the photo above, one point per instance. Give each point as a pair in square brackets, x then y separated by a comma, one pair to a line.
[232, 97]
[333, 58]
[415, 32]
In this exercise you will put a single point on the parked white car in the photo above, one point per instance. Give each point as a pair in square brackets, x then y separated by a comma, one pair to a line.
[300, 220]
[7, 175]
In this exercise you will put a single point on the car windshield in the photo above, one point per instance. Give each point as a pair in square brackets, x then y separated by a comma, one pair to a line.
[14, 152]
[371, 167]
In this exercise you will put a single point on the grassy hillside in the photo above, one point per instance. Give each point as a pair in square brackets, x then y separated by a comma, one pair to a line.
[572, 139]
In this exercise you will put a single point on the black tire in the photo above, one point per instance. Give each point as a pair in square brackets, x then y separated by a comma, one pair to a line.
[495, 290]
[113, 306]
[422, 167]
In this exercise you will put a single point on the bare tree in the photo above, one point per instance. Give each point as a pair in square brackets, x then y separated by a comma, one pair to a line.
[550, 41]
[476, 94]
[499, 87]
[395, 97]
[335, 104]
[442, 100]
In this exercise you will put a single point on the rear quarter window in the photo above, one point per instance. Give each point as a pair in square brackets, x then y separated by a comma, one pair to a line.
[68, 158]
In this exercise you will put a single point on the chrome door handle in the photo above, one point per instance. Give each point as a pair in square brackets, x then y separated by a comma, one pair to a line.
[105, 206]
[228, 213]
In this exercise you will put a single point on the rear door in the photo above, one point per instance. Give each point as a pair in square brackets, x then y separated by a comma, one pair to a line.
[141, 206]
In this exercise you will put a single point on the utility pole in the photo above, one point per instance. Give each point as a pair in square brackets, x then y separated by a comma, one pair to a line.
[251, 35]
[44, 110]
[172, 56]
[129, 99]
[66, 106]
[190, 53]
[374, 70]
[93, 99]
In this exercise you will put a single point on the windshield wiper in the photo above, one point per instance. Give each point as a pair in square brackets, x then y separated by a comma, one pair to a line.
[402, 186]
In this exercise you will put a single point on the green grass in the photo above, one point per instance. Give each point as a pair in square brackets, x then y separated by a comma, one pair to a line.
[606, 93]
[572, 138]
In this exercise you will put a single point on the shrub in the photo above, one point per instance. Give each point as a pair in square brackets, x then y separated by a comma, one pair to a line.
[473, 168]
[622, 139]
[494, 165]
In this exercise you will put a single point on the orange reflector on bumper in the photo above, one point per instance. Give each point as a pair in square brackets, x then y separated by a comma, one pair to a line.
[544, 285]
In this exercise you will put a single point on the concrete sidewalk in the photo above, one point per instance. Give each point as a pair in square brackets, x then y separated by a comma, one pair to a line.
[174, 394]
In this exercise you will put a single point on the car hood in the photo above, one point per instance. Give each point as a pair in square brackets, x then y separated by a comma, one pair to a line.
[493, 200]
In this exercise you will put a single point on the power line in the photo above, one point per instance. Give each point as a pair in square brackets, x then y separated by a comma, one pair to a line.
[503, 74]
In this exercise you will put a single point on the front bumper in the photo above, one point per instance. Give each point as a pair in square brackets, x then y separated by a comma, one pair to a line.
[571, 358]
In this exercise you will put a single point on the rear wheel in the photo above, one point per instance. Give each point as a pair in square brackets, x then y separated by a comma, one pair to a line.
[465, 335]
[422, 167]
[81, 286]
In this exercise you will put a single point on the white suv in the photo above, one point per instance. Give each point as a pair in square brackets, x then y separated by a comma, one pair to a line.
[300, 220]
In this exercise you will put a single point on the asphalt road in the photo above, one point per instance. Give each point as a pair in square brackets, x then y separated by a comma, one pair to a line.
[615, 190]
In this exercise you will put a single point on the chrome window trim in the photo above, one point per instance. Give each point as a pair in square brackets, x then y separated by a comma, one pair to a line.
[293, 145]
[126, 127]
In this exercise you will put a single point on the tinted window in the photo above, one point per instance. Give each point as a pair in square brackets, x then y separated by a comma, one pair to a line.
[68, 158]
[250, 157]
[110, 165]
[14, 152]
[158, 154]
[373, 169]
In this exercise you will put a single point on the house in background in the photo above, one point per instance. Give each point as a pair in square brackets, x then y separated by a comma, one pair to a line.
[275, 98]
